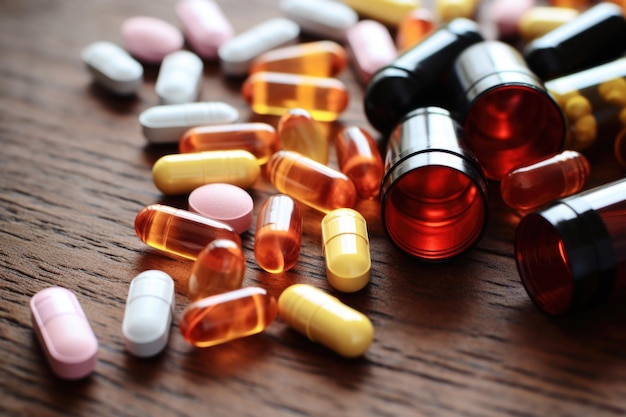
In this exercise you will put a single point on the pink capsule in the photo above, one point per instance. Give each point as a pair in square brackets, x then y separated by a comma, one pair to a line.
[150, 39]
[371, 47]
[205, 26]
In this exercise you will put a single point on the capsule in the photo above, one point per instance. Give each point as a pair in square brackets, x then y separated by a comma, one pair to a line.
[325, 319]
[179, 79]
[371, 47]
[360, 160]
[180, 232]
[346, 248]
[168, 123]
[148, 313]
[388, 12]
[220, 268]
[415, 26]
[224, 317]
[205, 26]
[64, 333]
[323, 18]
[448, 10]
[538, 21]
[574, 4]
[278, 234]
[319, 59]
[275, 93]
[113, 68]
[310, 182]
[506, 16]
[297, 131]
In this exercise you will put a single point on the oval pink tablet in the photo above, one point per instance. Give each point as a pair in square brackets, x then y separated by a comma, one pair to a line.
[224, 202]
[205, 26]
[150, 39]
[371, 47]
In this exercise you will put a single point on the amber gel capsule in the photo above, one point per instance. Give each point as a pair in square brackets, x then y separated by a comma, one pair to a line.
[321, 59]
[180, 232]
[297, 131]
[310, 182]
[220, 267]
[414, 27]
[224, 317]
[278, 234]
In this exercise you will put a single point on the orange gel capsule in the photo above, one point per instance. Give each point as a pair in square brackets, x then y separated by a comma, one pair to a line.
[360, 160]
[275, 93]
[224, 317]
[297, 131]
[310, 182]
[220, 267]
[415, 26]
[531, 186]
[278, 234]
[180, 232]
[321, 59]
[260, 139]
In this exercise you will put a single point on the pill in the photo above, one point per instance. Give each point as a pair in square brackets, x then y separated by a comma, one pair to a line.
[506, 15]
[224, 317]
[275, 93]
[613, 90]
[323, 18]
[113, 68]
[297, 131]
[150, 39]
[220, 268]
[370, 47]
[321, 58]
[278, 234]
[236, 54]
[167, 123]
[205, 26]
[539, 20]
[316, 185]
[448, 10]
[260, 139]
[180, 77]
[325, 319]
[224, 202]
[64, 333]
[584, 132]
[148, 313]
[577, 107]
[388, 12]
[414, 27]
[575, 4]
[179, 232]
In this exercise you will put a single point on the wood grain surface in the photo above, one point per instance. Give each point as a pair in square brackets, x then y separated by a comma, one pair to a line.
[459, 338]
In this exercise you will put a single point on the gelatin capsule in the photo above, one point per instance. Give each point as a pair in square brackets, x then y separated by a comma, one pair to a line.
[448, 10]
[324, 18]
[64, 333]
[388, 12]
[415, 26]
[183, 172]
[260, 139]
[278, 234]
[150, 39]
[371, 47]
[297, 131]
[275, 93]
[319, 59]
[113, 68]
[224, 317]
[310, 182]
[346, 250]
[180, 77]
[205, 26]
[179, 232]
[506, 16]
[360, 160]
[531, 186]
[324, 319]
[148, 313]
[537, 21]
[573, 4]
[220, 268]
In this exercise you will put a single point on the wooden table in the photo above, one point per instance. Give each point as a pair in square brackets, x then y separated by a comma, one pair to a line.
[455, 338]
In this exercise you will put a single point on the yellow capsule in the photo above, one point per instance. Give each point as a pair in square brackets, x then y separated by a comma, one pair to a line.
[182, 173]
[297, 131]
[325, 319]
[537, 21]
[614, 91]
[346, 249]
[584, 132]
[321, 59]
[448, 10]
[577, 107]
[389, 12]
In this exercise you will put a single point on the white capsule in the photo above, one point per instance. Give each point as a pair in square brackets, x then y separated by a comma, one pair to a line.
[236, 55]
[179, 78]
[167, 123]
[148, 314]
[323, 18]
[113, 68]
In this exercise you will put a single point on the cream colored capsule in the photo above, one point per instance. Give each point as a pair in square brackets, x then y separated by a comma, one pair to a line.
[537, 21]
[388, 12]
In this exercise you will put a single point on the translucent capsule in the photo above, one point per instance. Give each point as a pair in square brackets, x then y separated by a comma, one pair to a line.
[388, 12]
[574, 4]
[325, 319]
[414, 27]
[531, 186]
[320, 59]
[179, 232]
[182, 173]
[180, 77]
[278, 234]
[275, 93]
[448, 10]
[113, 68]
[537, 21]
[346, 250]
[371, 48]
[205, 26]
[219, 268]
[324, 18]
[360, 160]
[297, 131]
[310, 182]
[224, 317]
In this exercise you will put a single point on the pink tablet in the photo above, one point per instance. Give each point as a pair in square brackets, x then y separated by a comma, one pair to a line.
[205, 26]
[150, 39]
[224, 202]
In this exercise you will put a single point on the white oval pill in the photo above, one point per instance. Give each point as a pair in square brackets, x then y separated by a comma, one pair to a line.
[113, 68]
[179, 78]
[236, 55]
[167, 123]
[148, 313]
[323, 18]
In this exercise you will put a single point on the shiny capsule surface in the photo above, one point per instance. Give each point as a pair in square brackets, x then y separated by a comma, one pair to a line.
[414, 27]
[320, 59]
[537, 21]
[299, 132]
[310, 182]
[326, 19]
[179, 232]
[224, 317]
[220, 268]
[388, 12]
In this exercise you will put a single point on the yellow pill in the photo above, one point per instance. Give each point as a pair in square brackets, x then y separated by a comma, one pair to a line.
[614, 91]
[346, 249]
[448, 10]
[182, 173]
[389, 12]
[584, 132]
[325, 319]
[577, 107]
[537, 21]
